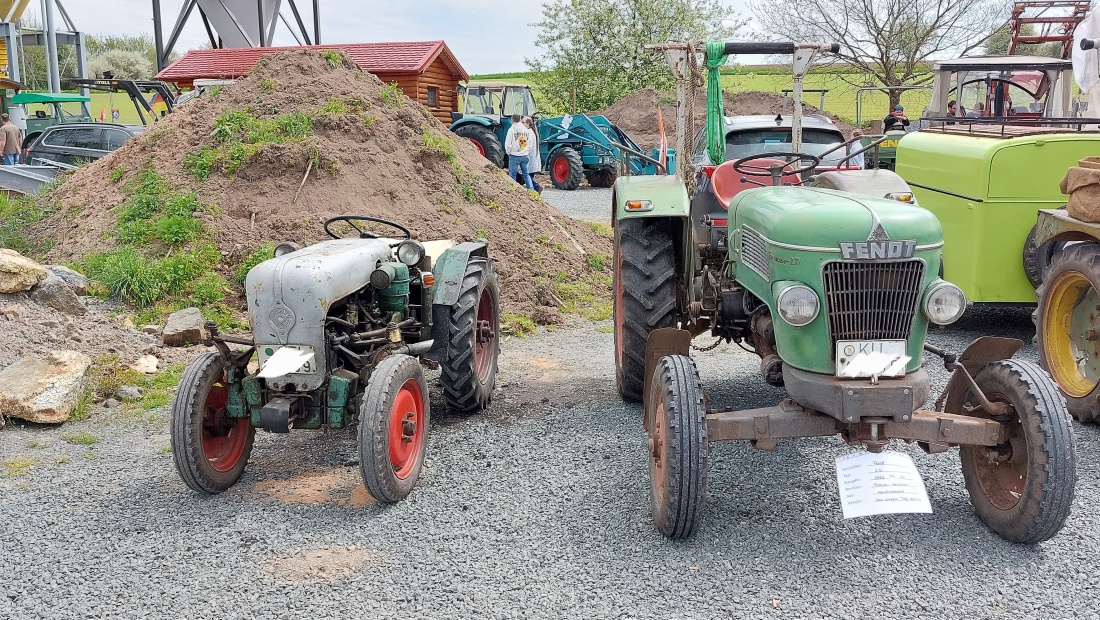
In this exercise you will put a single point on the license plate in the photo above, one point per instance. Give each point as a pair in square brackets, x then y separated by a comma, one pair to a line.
[265, 351]
[848, 351]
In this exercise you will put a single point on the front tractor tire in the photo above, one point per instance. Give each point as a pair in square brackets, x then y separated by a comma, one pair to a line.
[1066, 327]
[1023, 489]
[645, 296]
[485, 141]
[602, 178]
[210, 448]
[566, 168]
[679, 451]
[393, 428]
[469, 362]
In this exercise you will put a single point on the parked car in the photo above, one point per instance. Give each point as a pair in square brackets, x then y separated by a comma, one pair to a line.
[760, 133]
[75, 143]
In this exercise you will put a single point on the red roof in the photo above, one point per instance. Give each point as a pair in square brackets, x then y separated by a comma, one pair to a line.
[232, 63]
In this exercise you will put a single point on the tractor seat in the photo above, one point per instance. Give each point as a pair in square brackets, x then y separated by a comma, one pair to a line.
[726, 182]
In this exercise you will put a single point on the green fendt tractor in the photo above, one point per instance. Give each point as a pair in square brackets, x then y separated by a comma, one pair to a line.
[834, 291]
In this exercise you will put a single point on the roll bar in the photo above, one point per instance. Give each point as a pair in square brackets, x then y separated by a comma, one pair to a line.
[768, 47]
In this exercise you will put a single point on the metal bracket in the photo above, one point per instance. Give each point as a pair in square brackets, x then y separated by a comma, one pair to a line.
[662, 342]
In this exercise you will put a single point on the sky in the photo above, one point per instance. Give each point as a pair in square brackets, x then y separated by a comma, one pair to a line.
[487, 36]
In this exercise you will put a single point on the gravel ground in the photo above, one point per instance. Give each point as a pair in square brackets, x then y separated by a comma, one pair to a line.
[584, 203]
[537, 508]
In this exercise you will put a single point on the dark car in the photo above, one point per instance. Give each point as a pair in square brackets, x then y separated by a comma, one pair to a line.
[75, 143]
[756, 134]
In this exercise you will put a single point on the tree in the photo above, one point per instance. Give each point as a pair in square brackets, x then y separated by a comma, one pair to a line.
[124, 64]
[595, 49]
[887, 39]
[998, 41]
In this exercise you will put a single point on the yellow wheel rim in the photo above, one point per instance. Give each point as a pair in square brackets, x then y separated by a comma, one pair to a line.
[1071, 344]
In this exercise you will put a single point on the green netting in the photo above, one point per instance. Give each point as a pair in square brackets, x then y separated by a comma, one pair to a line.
[716, 113]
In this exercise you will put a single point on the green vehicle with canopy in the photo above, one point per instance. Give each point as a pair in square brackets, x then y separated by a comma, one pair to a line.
[834, 290]
[49, 110]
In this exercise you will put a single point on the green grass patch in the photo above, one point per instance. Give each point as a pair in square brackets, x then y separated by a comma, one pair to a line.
[268, 85]
[18, 466]
[117, 174]
[80, 438]
[605, 329]
[369, 120]
[18, 215]
[467, 191]
[391, 95]
[334, 58]
[259, 255]
[333, 107]
[598, 262]
[517, 324]
[440, 143]
[238, 135]
[600, 228]
[585, 297]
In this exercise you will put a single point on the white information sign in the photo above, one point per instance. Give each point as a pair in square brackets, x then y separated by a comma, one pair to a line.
[878, 484]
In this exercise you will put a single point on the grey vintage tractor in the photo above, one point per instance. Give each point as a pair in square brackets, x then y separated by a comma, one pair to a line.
[339, 332]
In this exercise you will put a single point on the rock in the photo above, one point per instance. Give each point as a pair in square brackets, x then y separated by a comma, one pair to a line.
[128, 392]
[183, 328]
[128, 323]
[76, 281]
[146, 364]
[19, 273]
[111, 403]
[43, 389]
[151, 329]
[546, 316]
[53, 292]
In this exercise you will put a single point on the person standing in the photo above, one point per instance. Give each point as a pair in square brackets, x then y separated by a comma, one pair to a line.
[517, 144]
[12, 140]
[534, 160]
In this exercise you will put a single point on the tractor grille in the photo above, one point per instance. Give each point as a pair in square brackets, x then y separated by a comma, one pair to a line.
[753, 252]
[872, 301]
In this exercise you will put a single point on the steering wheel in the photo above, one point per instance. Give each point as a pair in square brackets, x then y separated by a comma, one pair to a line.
[363, 234]
[775, 170]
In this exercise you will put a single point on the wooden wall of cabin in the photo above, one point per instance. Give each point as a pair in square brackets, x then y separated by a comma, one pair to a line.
[415, 86]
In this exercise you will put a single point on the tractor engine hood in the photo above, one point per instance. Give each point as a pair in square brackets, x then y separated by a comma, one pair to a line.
[829, 220]
[290, 296]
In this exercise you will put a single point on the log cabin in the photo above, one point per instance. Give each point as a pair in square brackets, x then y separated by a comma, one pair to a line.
[426, 71]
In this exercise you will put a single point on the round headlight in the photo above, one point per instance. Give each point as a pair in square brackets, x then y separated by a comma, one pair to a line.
[797, 305]
[944, 303]
[410, 252]
[285, 248]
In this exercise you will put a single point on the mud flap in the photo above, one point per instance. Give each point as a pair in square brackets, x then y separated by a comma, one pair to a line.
[662, 342]
[977, 354]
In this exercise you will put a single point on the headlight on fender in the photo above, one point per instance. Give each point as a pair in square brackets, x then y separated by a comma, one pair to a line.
[901, 197]
[410, 252]
[944, 303]
[797, 304]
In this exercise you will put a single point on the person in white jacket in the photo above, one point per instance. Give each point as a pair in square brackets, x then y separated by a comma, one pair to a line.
[534, 160]
[517, 144]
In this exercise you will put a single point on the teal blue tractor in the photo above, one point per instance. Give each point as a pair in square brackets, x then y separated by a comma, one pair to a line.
[572, 148]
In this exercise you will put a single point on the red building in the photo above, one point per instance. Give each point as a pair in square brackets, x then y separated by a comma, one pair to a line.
[426, 71]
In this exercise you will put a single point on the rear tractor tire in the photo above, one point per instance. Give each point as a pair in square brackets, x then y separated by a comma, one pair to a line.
[565, 168]
[645, 296]
[210, 449]
[473, 340]
[485, 141]
[1037, 259]
[1023, 489]
[679, 451]
[1066, 322]
[393, 428]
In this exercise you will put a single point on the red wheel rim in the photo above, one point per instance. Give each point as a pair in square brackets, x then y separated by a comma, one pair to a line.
[480, 149]
[406, 429]
[485, 337]
[223, 438]
[657, 455]
[561, 170]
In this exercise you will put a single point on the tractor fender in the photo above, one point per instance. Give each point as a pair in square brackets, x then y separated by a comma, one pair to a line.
[662, 342]
[472, 120]
[982, 351]
[450, 268]
[666, 196]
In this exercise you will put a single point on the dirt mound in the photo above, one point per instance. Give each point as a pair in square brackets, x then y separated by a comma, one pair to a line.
[362, 147]
[637, 114]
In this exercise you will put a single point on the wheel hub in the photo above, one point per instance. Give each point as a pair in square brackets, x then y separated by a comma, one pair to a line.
[408, 427]
[484, 332]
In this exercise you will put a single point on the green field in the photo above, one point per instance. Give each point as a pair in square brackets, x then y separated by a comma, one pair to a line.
[840, 100]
